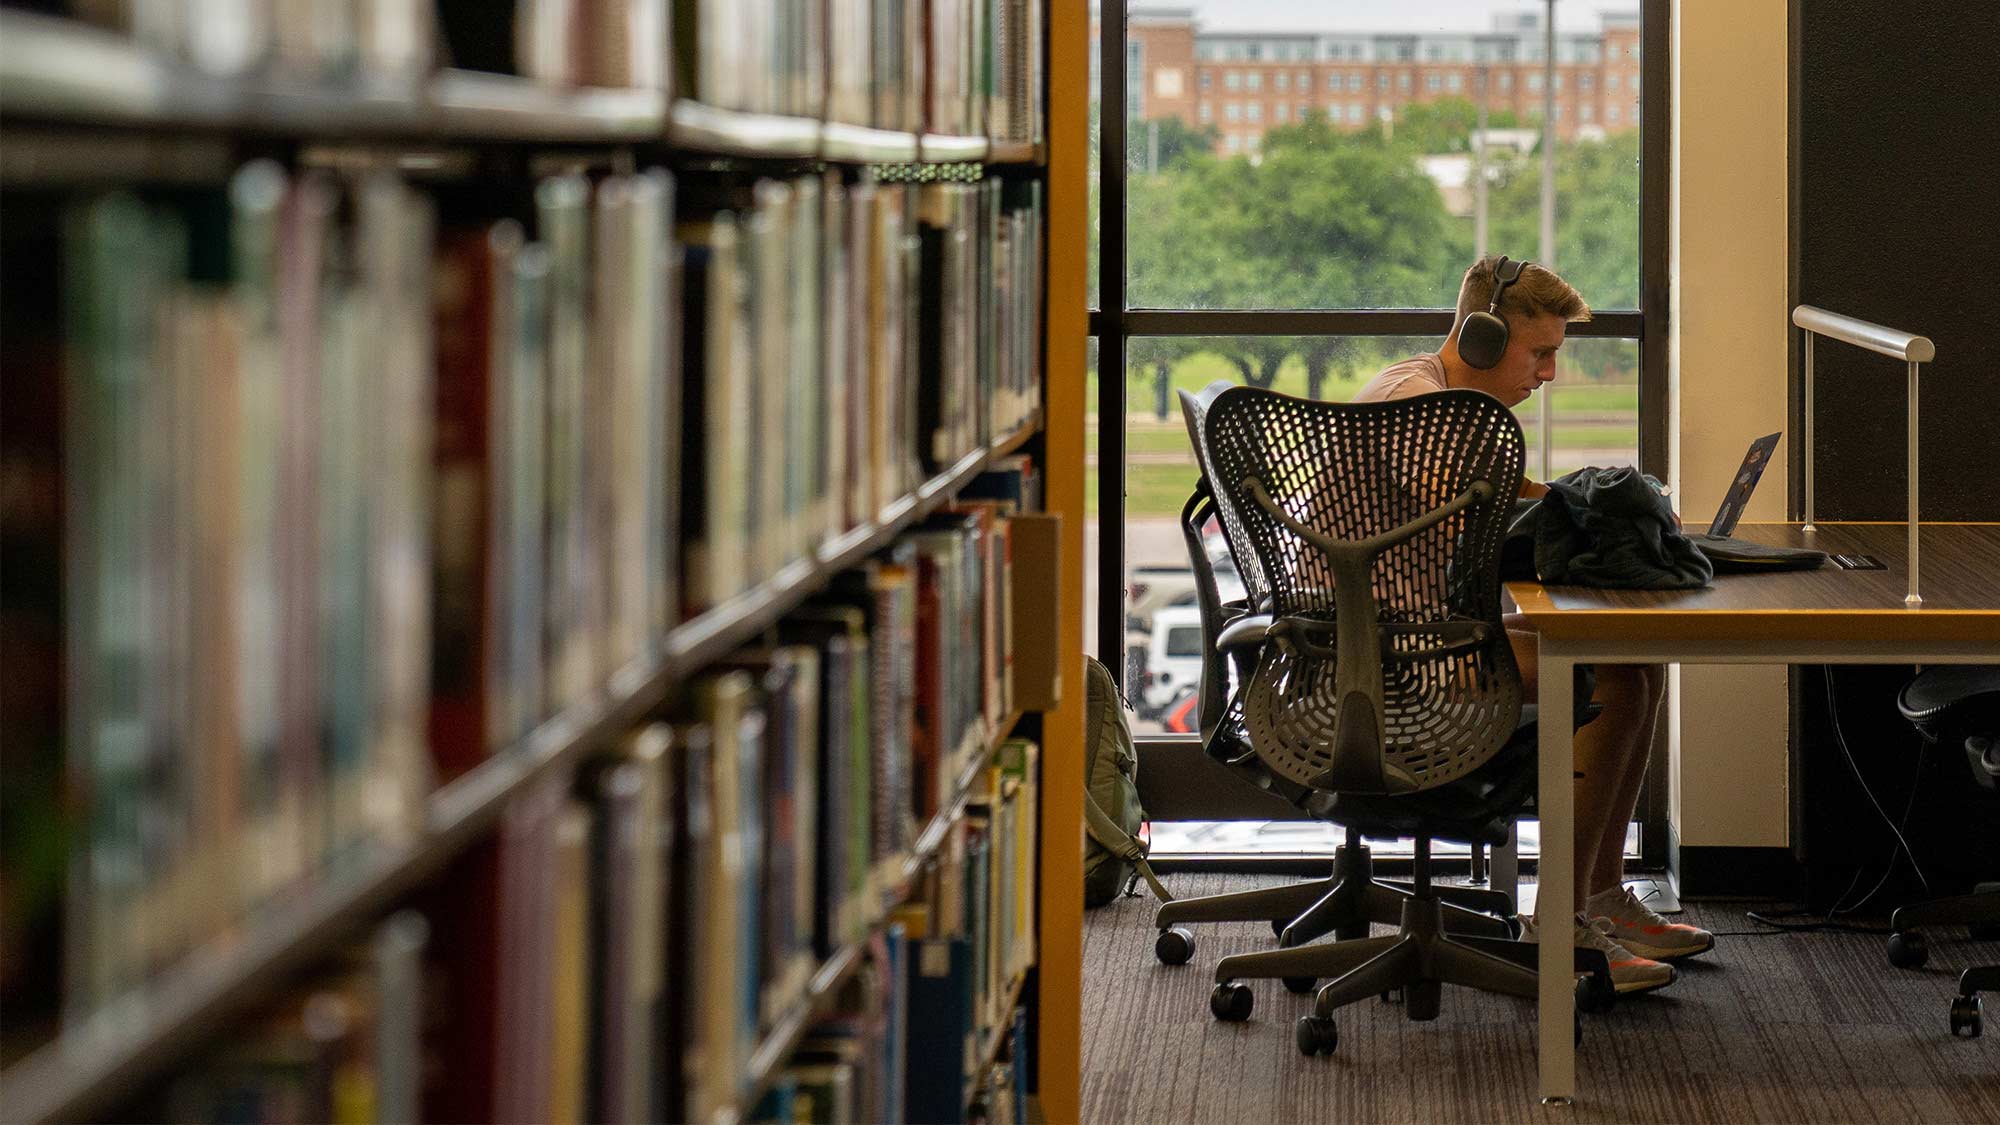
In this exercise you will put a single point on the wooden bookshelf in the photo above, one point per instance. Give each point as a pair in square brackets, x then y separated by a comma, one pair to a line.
[83, 104]
[89, 1068]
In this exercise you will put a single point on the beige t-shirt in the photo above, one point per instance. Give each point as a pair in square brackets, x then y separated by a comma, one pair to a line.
[1417, 375]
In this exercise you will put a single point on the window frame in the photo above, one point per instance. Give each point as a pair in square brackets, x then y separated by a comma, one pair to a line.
[1113, 323]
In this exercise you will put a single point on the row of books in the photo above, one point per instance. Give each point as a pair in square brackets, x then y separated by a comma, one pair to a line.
[958, 67]
[929, 1029]
[246, 556]
[875, 331]
[665, 912]
[346, 1045]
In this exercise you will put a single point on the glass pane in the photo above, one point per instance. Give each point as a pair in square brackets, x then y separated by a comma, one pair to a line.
[1295, 154]
[1593, 411]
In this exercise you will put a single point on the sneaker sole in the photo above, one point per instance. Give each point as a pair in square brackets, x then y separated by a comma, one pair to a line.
[1635, 989]
[1661, 953]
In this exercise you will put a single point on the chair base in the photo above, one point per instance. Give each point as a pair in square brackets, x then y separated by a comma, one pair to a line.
[1343, 905]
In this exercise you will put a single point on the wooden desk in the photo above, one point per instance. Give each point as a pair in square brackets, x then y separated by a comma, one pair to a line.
[1824, 616]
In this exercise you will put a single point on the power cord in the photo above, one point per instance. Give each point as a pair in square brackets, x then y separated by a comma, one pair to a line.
[1840, 738]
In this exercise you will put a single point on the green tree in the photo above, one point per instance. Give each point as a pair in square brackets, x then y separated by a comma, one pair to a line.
[1445, 125]
[1178, 143]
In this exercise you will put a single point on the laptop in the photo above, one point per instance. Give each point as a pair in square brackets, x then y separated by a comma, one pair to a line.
[1731, 555]
[1738, 497]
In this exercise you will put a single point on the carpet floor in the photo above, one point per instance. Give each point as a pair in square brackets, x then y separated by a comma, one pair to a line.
[1796, 1028]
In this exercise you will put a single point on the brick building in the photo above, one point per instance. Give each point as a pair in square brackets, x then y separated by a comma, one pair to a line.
[1245, 83]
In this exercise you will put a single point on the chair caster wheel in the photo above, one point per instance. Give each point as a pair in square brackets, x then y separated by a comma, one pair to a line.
[1315, 1035]
[1174, 946]
[1966, 1021]
[1301, 985]
[1595, 994]
[1908, 951]
[1231, 1001]
[1392, 996]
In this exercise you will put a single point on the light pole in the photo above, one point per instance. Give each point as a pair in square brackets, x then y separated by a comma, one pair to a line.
[1545, 413]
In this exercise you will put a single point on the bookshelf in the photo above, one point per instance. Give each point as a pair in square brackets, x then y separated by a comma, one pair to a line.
[63, 79]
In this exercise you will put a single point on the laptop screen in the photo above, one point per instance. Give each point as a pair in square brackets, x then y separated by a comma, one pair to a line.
[1747, 476]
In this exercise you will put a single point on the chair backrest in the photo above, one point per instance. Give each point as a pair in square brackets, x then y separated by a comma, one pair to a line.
[1372, 532]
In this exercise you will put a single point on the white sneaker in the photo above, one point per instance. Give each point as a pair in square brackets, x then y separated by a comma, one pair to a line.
[1629, 972]
[1640, 929]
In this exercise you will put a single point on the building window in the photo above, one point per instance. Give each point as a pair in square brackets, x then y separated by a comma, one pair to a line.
[1454, 83]
[1305, 111]
[1333, 83]
[1256, 111]
[1256, 141]
[1305, 80]
[1558, 79]
[1507, 80]
[1233, 142]
[1354, 83]
[1611, 82]
[1281, 112]
[1356, 113]
[1611, 114]
[1232, 81]
[1534, 82]
[1585, 114]
[1283, 81]
[1255, 81]
[1232, 112]
[1207, 80]
[1206, 112]
[1168, 82]
[1434, 82]
[1403, 82]
[1583, 82]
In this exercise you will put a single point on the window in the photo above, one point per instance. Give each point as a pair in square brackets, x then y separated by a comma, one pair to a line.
[1403, 82]
[1283, 81]
[1611, 114]
[1558, 80]
[1584, 113]
[1205, 81]
[1611, 82]
[1583, 83]
[1232, 81]
[1434, 82]
[1535, 81]
[1305, 79]
[1206, 112]
[1254, 80]
[1167, 82]
[1250, 292]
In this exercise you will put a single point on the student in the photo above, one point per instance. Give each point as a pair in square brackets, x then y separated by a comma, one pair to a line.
[1611, 751]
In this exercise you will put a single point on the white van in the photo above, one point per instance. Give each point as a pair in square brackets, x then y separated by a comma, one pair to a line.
[1173, 660]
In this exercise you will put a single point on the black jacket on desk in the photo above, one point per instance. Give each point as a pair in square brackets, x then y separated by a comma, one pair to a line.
[1611, 527]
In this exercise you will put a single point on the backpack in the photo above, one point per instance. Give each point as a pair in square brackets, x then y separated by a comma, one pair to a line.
[1113, 855]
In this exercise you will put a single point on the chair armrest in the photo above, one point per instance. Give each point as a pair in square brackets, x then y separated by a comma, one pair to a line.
[1249, 630]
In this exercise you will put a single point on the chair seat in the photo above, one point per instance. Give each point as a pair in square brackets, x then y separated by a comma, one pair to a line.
[1939, 694]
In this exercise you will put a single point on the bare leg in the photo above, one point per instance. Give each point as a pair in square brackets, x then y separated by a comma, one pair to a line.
[1631, 695]
[1610, 756]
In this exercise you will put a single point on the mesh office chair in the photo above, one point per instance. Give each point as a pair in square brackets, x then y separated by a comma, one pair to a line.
[1956, 707]
[1351, 897]
[1378, 688]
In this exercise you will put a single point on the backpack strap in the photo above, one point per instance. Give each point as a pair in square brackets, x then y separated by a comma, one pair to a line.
[1126, 847]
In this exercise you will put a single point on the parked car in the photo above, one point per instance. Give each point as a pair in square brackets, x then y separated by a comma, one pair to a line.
[1173, 659]
[1183, 715]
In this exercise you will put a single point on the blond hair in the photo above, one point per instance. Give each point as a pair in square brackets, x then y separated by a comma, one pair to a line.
[1539, 291]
